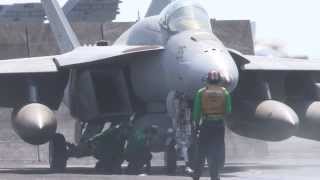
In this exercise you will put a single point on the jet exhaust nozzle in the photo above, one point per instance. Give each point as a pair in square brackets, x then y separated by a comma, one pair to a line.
[35, 123]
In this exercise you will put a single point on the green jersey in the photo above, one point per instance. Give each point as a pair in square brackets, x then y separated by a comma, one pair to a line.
[109, 143]
[136, 143]
[197, 105]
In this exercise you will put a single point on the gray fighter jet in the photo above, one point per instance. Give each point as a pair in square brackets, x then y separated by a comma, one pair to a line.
[170, 50]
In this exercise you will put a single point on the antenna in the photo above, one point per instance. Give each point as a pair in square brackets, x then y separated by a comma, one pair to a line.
[139, 17]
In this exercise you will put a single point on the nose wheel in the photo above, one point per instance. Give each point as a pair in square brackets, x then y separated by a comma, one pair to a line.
[58, 153]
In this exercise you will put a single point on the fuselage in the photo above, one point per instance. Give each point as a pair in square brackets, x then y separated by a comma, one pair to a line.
[191, 51]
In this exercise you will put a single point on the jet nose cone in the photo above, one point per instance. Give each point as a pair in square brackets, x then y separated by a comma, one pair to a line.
[219, 61]
[35, 123]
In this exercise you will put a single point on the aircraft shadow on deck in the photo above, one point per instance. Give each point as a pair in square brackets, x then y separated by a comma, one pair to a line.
[159, 170]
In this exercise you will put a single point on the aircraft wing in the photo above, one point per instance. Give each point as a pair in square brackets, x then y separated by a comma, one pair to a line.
[43, 64]
[262, 63]
[83, 56]
[280, 64]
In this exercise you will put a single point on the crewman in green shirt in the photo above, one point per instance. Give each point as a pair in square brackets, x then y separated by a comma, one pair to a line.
[109, 146]
[211, 105]
[138, 151]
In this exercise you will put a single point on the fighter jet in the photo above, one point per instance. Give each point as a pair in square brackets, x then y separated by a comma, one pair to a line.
[170, 50]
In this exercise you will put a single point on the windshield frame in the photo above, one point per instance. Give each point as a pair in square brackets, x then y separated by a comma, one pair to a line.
[172, 10]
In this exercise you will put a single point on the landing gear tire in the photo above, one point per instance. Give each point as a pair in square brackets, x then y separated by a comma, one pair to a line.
[58, 153]
[195, 178]
[170, 158]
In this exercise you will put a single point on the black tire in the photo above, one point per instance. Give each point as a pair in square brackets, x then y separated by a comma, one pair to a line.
[195, 178]
[58, 153]
[170, 159]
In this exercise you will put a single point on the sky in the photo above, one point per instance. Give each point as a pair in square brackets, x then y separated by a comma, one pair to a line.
[292, 23]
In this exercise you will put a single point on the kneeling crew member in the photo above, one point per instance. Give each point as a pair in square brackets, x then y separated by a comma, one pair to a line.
[138, 150]
[108, 148]
[212, 103]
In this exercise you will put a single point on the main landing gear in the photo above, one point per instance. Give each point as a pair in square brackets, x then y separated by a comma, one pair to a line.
[58, 153]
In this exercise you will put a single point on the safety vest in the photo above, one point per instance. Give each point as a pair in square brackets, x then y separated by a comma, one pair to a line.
[213, 101]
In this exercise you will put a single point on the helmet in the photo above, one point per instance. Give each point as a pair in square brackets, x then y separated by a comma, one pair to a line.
[213, 77]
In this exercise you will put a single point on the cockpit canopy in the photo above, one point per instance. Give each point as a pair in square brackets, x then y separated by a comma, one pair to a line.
[185, 15]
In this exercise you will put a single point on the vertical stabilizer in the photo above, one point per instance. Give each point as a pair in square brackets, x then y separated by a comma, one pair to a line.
[66, 38]
[156, 7]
